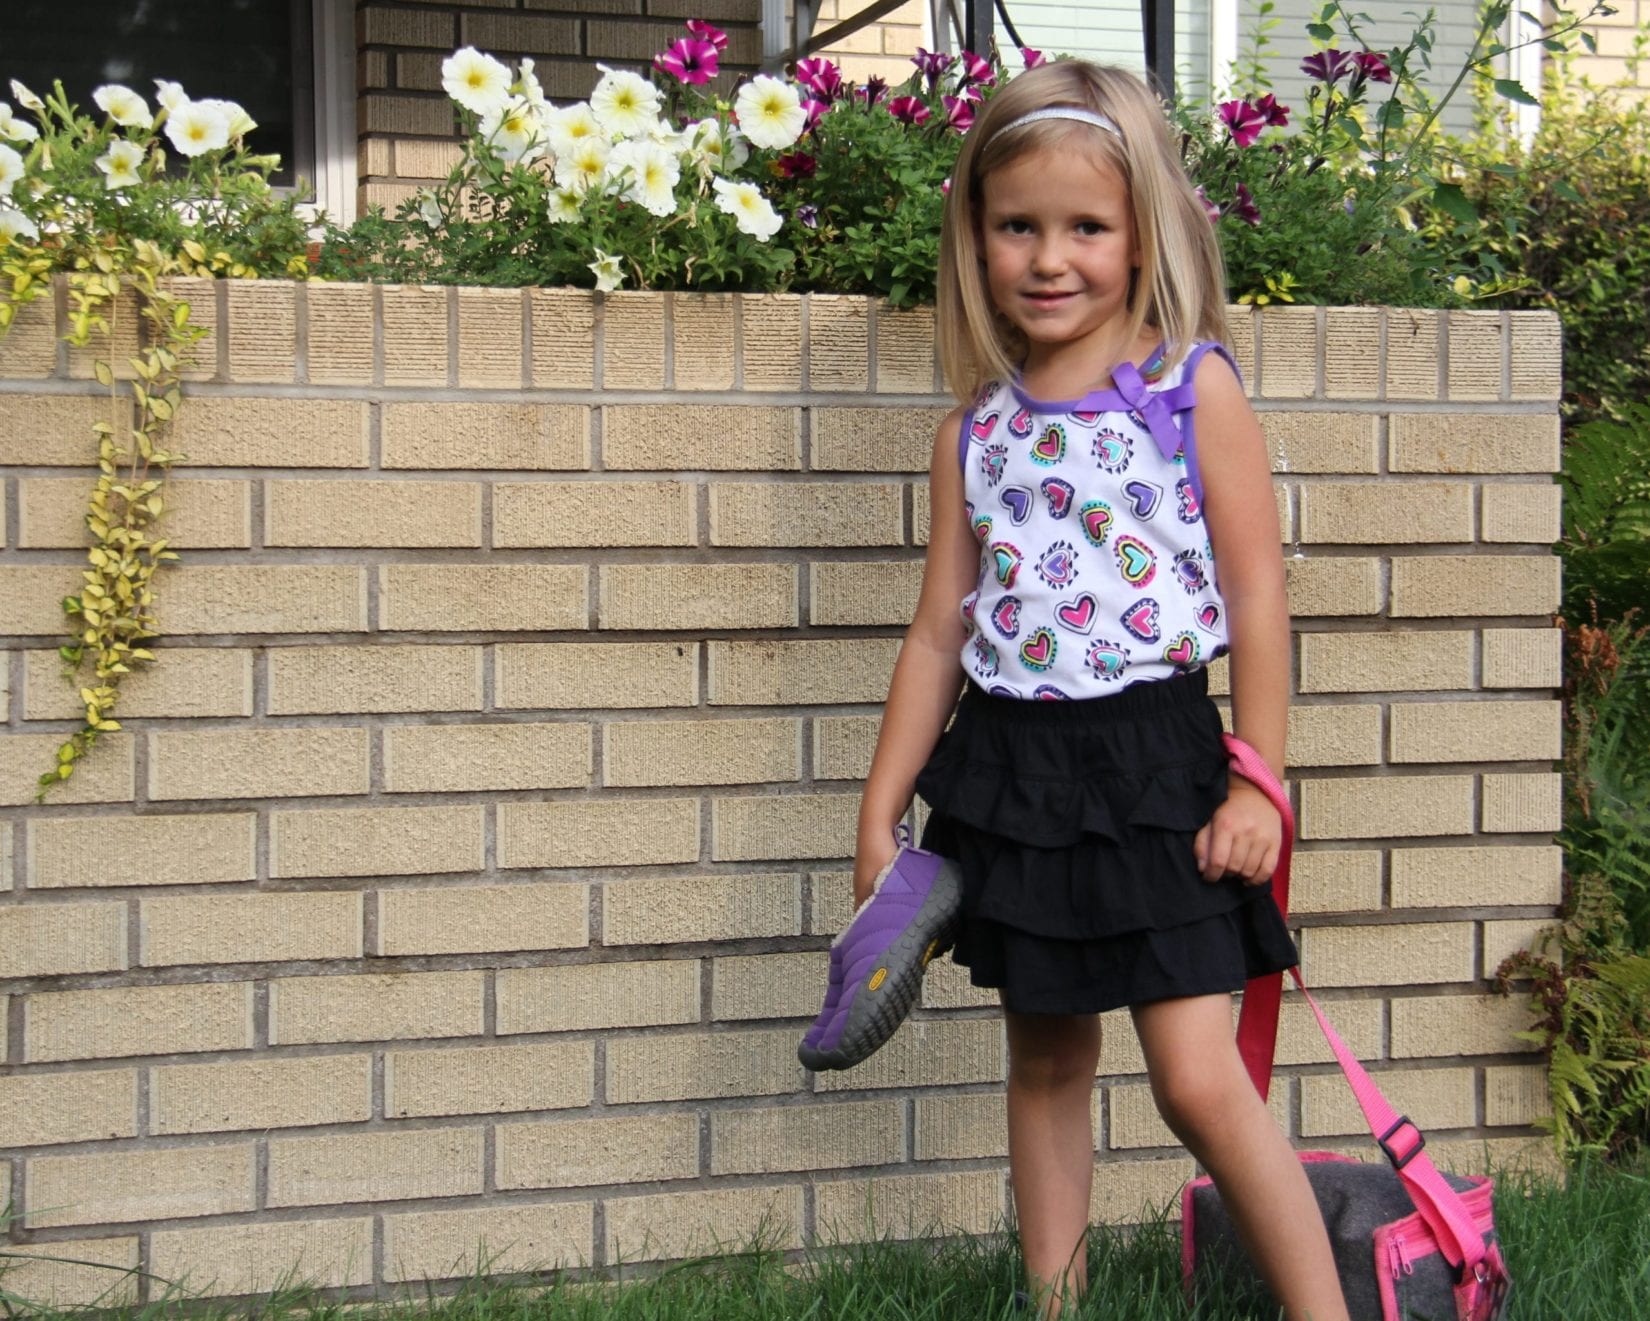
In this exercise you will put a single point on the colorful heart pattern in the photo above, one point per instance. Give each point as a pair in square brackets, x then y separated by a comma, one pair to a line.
[1136, 560]
[982, 528]
[966, 609]
[1047, 692]
[1112, 450]
[1086, 416]
[1049, 448]
[1058, 565]
[1020, 424]
[1037, 652]
[1059, 495]
[1141, 620]
[1208, 617]
[1183, 652]
[1189, 510]
[1107, 659]
[1096, 518]
[1144, 497]
[983, 427]
[1077, 615]
[993, 461]
[986, 661]
[1005, 616]
[1188, 571]
[1018, 501]
[1005, 562]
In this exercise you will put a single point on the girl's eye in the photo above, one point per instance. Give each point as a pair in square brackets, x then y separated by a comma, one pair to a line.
[1016, 227]
[1089, 228]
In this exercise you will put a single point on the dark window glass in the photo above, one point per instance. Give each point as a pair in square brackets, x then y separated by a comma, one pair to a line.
[256, 52]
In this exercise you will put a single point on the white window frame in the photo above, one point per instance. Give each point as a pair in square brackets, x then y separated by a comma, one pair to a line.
[336, 182]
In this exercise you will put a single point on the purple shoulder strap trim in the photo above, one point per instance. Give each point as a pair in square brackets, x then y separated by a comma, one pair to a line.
[962, 440]
[1188, 432]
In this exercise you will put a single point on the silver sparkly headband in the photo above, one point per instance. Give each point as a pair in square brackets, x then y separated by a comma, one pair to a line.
[1077, 113]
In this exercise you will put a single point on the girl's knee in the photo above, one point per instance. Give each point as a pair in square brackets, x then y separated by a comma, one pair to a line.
[1053, 1053]
[1193, 1103]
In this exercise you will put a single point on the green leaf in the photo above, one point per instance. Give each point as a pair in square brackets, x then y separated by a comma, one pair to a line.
[1449, 199]
[1320, 32]
[104, 375]
[1513, 90]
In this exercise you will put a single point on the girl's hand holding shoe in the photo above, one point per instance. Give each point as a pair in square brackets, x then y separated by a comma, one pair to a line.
[1243, 838]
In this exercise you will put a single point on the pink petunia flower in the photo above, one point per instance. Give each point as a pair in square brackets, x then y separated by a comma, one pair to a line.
[815, 109]
[908, 110]
[976, 71]
[874, 90]
[691, 60]
[945, 188]
[931, 64]
[1243, 120]
[1277, 116]
[821, 77]
[1328, 66]
[1032, 58]
[708, 32]
[1244, 207]
[1372, 64]
[1209, 208]
[959, 114]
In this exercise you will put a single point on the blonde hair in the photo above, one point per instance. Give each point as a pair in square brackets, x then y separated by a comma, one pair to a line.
[1180, 289]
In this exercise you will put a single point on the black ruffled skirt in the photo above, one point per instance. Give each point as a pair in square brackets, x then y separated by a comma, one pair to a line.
[1072, 823]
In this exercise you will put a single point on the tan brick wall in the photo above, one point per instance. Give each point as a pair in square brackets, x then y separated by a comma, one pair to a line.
[461, 881]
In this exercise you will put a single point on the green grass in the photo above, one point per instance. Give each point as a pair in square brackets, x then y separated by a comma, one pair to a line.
[1577, 1253]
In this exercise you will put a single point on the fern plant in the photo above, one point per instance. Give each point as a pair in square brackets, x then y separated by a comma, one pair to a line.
[1606, 544]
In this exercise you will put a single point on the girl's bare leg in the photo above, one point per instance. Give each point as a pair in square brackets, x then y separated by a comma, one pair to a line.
[1051, 1066]
[1205, 1096]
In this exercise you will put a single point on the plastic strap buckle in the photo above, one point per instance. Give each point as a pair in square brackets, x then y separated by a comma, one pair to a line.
[1385, 1142]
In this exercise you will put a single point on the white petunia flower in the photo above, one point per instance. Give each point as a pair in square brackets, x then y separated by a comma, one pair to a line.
[17, 130]
[477, 82]
[120, 165]
[429, 210]
[563, 206]
[585, 167]
[624, 103]
[652, 174]
[171, 96]
[25, 98]
[608, 270]
[514, 130]
[711, 149]
[196, 128]
[528, 85]
[240, 123]
[123, 105]
[11, 169]
[570, 126]
[770, 112]
[14, 224]
[751, 212]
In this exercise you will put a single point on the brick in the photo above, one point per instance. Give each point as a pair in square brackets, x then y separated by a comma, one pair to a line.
[249, 928]
[31, 343]
[607, 675]
[904, 349]
[574, 998]
[372, 841]
[1301, 1040]
[5, 857]
[390, 1006]
[30, 596]
[911, 1205]
[137, 1020]
[262, 330]
[1516, 1094]
[1477, 345]
[1521, 512]
[612, 833]
[1433, 1098]
[106, 777]
[664, 1225]
[784, 826]
[44, 1109]
[1399, 805]
[1537, 355]
[1136, 1192]
[434, 1245]
[265, 598]
[362, 513]
[415, 331]
[697, 596]
[1522, 804]
[1354, 513]
[374, 1167]
[324, 680]
[119, 345]
[929, 1053]
[1352, 357]
[1475, 585]
[873, 439]
[693, 908]
[633, 340]
[488, 1079]
[1481, 875]
[947, 986]
[767, 985]
[340, 343]
[444, 758]
[815, 1137]
[479, 597]
[176, 850]
[489, 338]
[486, 435]
[843, 746]
[838, 340]
[1476, 731]
[685, 1066]
[595, 513]
[806, 514]
[1445, 1025]
[56, 429]
[263, 432]
[1334, 735]
[200, 513]
[577, 1153]
[75, 1273]
[770, 331]
[1332, 586]
[863, 592]
[482, 919]
[1336, 881]
[1412, 954]
[696, 752]
[1133, 1122]
[1321, 442]
[961, 1127]
[1504, 939]
[257, 763]
[1290, 352]
[405, 27]
[564, 338]
[426, 160]
[261, 1094]
[775, 673]
[701, 436]
[1473, 442]
[50, 940]
[1523, 657]
[1385, 662]
[194, 681]
[257, 1258]
[1414, 361]
[831, 901]
[706, 350]
[115, 1187]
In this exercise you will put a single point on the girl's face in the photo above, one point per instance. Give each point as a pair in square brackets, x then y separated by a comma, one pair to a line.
[1057, 234]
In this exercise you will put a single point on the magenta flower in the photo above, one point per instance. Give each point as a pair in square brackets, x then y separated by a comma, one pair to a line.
[874, 90]
[1277, 116]
[1372, 64]
[1328, 66]
[797, 165]
[945, 188]
[908, 110]
[1244, 121]
[690, 59]
[708, 32]
[1032, 58]
[959, 114]
[815, 111]
[821, 77]
[931, 64]
[976, 71]
[1244, 207]
[1209, 208]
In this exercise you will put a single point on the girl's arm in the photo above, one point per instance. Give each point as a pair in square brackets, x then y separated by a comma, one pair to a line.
[1240, 513]
[928, 674]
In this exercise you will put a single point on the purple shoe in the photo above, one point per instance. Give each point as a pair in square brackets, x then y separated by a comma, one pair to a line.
[877, 962]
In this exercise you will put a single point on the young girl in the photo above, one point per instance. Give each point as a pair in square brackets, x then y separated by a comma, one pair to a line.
[1108, 463]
